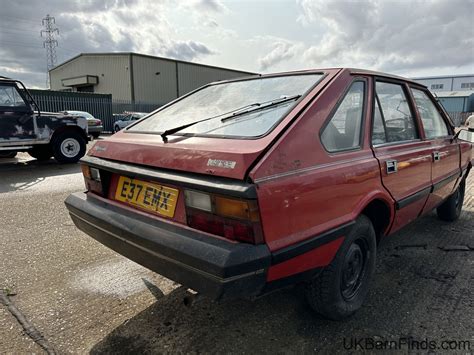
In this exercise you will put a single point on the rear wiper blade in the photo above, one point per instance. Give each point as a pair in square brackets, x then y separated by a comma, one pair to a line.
[231, 114]
[261, 106]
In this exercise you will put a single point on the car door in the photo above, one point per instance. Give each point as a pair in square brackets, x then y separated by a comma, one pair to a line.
[16, 121]
[445, 152]
[404, 159]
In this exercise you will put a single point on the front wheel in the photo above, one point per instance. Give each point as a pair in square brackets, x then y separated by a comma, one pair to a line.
[340, 289]
[450, 210]
[116, 129]
[69, 147]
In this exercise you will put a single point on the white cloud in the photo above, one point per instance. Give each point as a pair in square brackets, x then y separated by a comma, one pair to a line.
[390, 35]
[281, 51]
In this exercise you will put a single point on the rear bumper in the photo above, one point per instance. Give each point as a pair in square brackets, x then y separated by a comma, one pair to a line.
[95, 129]
[211, 266]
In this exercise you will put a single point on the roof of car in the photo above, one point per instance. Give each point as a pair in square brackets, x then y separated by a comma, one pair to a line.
[353, 71]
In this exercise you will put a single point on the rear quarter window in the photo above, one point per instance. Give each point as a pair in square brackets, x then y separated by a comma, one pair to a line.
[343, 131]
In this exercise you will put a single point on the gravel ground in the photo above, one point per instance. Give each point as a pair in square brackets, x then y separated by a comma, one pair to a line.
[85, 298]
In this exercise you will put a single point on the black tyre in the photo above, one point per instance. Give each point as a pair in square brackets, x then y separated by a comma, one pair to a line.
[7, 155]
[69, 147]
[451, 209]
[95, 135]
[340, 289]
[116, 129]
[41, 152]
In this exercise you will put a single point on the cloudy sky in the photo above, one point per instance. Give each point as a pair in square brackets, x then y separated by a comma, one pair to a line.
[405, 37]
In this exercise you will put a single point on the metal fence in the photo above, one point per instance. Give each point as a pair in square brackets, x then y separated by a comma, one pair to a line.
[101, 106]
[459, 117]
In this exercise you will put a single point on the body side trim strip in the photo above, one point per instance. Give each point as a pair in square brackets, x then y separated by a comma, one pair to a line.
[307, 245]
[413, 198]
[445, 181]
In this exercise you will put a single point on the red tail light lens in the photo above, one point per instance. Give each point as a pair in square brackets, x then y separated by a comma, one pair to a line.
[238, 230]
[234, 219]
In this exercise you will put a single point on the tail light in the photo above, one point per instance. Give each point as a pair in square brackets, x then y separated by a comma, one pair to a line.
[234, 219]
[99, 122]
[93, 179]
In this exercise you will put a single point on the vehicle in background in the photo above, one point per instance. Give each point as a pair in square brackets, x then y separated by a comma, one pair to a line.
[94, 124]
[127, 119]
[249, 185]
[23, 128]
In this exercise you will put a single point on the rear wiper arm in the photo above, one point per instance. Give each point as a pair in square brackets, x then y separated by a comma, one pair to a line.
[179, 128]
[234, 113]
[261, 106]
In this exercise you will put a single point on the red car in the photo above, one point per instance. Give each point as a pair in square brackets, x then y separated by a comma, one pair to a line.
[245, 186]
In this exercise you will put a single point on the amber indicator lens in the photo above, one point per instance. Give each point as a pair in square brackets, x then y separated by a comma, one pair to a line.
[235, 208]
[86, 171]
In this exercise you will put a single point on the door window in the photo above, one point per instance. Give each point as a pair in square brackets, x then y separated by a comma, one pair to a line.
[9, 97]
[396, 113]
[433, 124]
[344, 129]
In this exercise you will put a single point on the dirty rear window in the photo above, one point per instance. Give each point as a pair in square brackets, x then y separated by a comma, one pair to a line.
[220, 99]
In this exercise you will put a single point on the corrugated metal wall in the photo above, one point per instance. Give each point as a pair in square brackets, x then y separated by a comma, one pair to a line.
[454, 104]
[99, 105]
[150, 86]
[192, 76]
[174, 78]
[112, 71]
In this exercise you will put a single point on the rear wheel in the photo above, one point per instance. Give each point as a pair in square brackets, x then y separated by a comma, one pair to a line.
[342, 286]
[451, 209]
[41, 152]
[95, 135]
[69, 147]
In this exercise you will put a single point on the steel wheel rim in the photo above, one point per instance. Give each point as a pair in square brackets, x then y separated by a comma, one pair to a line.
[353, 270]
[70, 147]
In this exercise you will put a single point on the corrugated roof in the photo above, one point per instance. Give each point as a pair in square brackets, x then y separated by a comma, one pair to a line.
[443, 77]
[149, 56]
[454, 93]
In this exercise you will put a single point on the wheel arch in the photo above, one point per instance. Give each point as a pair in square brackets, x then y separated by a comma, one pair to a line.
[67, 128]
[381, 212]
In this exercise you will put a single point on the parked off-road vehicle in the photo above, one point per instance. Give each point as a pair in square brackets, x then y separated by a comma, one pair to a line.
[42, 134]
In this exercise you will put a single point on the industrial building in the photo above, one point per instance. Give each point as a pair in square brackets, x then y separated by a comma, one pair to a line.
[448, 82]
[457, 101]
[134, 77]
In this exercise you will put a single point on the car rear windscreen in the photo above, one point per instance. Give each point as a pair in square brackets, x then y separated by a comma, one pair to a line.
[245, 108]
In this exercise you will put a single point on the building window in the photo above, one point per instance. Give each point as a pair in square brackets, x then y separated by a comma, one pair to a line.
[436, 86]
[469, 86]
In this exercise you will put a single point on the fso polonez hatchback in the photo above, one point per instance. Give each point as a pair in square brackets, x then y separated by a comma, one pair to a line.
[245, 186]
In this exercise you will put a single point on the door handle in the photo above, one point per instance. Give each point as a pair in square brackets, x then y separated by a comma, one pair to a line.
[436, 156]
[392, 166]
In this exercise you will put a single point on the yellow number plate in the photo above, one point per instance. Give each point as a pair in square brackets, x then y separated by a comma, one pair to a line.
[151, 197]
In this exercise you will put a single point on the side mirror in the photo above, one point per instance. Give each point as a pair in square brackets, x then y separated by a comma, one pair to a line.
[465, 135]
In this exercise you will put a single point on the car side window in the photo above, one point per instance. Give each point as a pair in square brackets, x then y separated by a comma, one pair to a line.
[433, 124]
[9, 97]
[399, 122]
[378, 130]
[343, 131]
